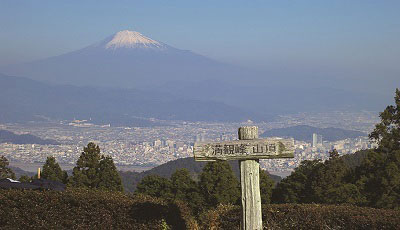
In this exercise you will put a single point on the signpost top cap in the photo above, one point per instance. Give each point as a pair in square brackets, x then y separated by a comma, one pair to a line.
[248, 132]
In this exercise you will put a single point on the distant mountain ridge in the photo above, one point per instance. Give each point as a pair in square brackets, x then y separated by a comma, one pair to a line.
[20, 172]
[23, 99]
[126, 59]
[304, 133]
[12, 138]
[130, 60]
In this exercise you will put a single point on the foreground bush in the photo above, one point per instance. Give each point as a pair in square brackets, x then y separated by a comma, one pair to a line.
[310, 216]
[84, 209]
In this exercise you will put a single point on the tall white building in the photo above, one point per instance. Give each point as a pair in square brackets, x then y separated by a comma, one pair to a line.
[316, 140]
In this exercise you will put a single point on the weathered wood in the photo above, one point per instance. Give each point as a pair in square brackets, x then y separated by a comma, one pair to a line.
[251, 199]
[250, 185]
[248, 133]
[248, 149]
[244, 149]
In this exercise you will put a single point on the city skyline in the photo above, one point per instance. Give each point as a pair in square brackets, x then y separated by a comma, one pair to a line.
[138, 148]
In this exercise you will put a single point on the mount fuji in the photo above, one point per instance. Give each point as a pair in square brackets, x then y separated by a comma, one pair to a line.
[129, 60]
[126, 59]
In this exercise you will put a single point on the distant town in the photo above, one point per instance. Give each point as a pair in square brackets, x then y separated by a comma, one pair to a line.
[151, 146]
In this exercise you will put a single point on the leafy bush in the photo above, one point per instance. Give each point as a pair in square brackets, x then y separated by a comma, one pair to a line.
[305, 216]
[89, 209]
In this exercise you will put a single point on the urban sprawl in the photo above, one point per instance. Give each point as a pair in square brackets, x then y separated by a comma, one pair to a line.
[151, 146]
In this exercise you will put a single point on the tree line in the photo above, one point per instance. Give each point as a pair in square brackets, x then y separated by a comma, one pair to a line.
[217, 184]
[93, 170]
[374, 181]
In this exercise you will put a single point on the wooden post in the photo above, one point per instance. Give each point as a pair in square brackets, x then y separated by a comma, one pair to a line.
[248, 150]
[250, 185]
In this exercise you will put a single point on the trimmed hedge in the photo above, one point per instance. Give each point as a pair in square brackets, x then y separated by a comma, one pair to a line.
[91, 209]
[306, 216]
[85, 209]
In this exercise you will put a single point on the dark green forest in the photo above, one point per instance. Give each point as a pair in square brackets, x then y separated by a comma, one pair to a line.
[131, 179]
[368, 178]
[93, 170]
[358, 191]
[305, 132]
[10, 137]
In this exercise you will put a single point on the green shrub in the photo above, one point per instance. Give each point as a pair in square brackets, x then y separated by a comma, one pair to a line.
[92, 209]
[89, 209]
[308, 216]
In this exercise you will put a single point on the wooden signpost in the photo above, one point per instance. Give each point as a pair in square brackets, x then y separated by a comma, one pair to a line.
[248, 150]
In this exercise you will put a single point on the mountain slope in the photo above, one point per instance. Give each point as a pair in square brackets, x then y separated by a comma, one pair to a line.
[304, 133]
[22, 99]
[131, 179]
[10, 137]
[131, 39]
[127, 59]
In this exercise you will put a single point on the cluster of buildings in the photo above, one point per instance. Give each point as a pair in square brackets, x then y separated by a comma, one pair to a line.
[128, 146]
[151, 146]
[317, 149]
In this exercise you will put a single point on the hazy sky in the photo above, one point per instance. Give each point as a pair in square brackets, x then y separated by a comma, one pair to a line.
[357, 38]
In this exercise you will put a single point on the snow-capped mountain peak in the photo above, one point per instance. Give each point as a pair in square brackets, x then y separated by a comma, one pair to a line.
[131, 39]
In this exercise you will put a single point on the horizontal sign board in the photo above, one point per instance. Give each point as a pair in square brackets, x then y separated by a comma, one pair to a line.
[244, 149]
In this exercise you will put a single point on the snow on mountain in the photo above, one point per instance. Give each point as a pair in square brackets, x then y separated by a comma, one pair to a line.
[126, 59]
[131, 39]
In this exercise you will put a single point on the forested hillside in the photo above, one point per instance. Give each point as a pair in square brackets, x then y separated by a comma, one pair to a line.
[12, 138]
[305, 132]
[131, 179]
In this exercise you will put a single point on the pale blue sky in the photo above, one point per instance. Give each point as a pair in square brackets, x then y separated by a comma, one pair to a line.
[359, 38]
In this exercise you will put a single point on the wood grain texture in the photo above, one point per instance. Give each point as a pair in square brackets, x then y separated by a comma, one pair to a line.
[248, 149]
[251, 199]
[248, 132]
[244, 149]
[250, 184]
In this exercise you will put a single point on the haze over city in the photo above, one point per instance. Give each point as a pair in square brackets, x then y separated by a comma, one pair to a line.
[152, 64]
[199, 114]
